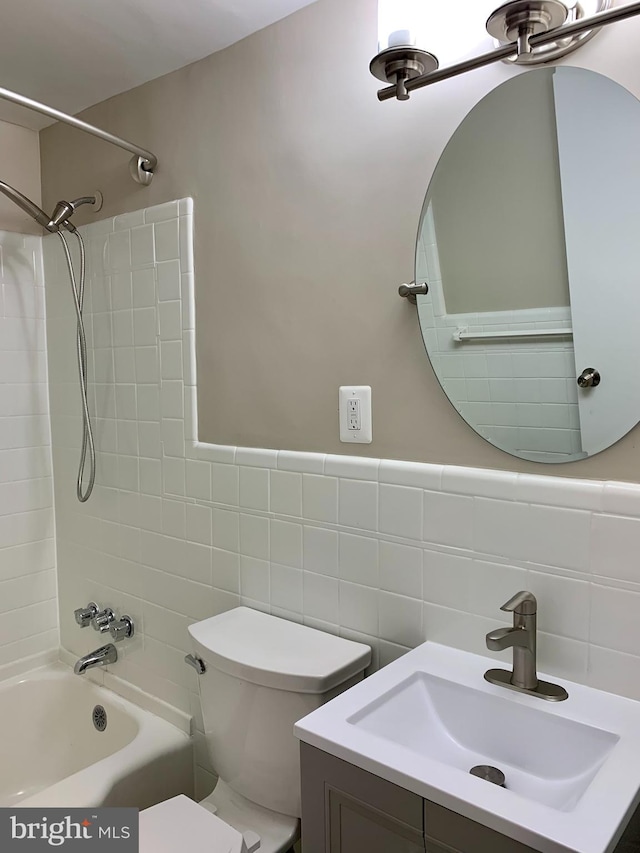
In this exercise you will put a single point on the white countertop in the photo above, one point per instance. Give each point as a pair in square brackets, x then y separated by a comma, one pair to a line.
[591, 825]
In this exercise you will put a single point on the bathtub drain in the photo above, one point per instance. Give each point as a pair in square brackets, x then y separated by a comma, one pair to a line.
[99, 716]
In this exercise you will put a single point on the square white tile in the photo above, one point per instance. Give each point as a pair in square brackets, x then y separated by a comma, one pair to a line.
[358, 504]
[320, 550]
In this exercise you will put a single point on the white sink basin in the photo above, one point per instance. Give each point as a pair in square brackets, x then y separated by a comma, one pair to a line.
[572, 768]
[545, 758]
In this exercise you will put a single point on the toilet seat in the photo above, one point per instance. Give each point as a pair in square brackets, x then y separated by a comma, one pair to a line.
[181, 824]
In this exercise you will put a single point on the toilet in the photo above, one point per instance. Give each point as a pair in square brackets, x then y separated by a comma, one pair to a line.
[262, 674]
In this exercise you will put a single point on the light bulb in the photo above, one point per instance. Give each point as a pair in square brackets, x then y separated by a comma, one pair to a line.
[401, 23]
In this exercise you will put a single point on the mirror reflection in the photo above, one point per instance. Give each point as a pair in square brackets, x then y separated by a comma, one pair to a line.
[529, 240]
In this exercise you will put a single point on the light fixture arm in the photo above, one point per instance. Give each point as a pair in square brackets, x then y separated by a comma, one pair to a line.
[480, 61]
[508, 51]
[524, 40]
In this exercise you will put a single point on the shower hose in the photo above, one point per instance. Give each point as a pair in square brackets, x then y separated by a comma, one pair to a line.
[83, 490]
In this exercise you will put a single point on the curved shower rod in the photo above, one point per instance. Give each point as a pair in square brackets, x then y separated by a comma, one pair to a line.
[142, 163]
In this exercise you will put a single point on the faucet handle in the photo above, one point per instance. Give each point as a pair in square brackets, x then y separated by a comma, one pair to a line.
[121, 629]
[523, 603]
[102, 620]
[84, 615]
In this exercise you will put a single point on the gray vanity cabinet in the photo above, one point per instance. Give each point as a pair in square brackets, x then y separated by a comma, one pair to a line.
[355, 825]
[446, 832]
[347, 810]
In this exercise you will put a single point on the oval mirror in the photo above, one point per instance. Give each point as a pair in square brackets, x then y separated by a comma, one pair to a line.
[529, 240]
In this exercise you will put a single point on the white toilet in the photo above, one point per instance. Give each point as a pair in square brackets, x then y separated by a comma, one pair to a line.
[262, 675]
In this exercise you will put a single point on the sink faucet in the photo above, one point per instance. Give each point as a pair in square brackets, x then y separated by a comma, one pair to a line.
[522, 639]
[101, 657]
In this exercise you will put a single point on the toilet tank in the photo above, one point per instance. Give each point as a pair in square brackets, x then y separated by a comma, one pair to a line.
[262, 675]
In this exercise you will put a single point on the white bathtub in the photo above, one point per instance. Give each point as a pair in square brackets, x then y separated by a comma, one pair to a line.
[52, 754]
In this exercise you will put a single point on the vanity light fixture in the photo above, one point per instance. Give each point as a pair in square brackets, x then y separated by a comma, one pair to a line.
[402, 26]
[530, 32]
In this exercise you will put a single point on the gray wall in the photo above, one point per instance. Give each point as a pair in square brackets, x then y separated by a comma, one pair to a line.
[307, 198]
[497, 204]
[20, 157]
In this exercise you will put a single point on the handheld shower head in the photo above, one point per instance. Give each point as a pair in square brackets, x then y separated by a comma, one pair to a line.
[60, 216]
[28, 206]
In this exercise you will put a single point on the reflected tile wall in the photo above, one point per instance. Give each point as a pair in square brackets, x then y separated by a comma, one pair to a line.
[520, 394]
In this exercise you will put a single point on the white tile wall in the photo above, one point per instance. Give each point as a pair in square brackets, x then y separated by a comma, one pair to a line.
[28, 607]
[520, 394]
[390, 553]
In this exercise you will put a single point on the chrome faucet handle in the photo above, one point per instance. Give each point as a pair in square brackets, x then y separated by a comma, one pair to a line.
[121, 629]
[102, 620]
[523, 603]
[84, 615]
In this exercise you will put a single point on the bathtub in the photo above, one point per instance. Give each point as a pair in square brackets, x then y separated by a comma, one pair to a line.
[53, 754]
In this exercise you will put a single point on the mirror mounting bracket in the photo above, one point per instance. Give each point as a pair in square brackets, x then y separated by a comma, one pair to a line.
[411, 291]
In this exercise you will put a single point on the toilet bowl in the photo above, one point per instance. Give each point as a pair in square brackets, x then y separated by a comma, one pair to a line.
[260, 675]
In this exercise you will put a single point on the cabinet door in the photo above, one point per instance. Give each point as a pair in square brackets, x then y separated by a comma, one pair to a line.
[355, 826]
[347, 810]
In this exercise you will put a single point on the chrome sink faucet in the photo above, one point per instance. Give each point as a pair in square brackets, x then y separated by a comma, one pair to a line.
[522, 639]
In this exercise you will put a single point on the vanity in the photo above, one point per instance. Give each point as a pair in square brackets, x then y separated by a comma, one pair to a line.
[346, 809]
[386, 765]
[526, 295]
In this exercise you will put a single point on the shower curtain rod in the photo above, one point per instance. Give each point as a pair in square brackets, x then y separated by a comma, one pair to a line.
[143, 162]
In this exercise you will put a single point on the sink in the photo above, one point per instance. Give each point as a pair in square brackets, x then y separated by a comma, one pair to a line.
[571, 769]
[548, 759]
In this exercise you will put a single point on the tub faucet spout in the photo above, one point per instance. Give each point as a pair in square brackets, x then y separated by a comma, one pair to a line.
[100, 657]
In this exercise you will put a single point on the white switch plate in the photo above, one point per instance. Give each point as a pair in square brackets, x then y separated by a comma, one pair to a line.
[355, 414]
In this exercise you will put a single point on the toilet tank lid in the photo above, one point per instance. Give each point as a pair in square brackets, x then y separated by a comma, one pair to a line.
[180, 823]
[276, 653]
